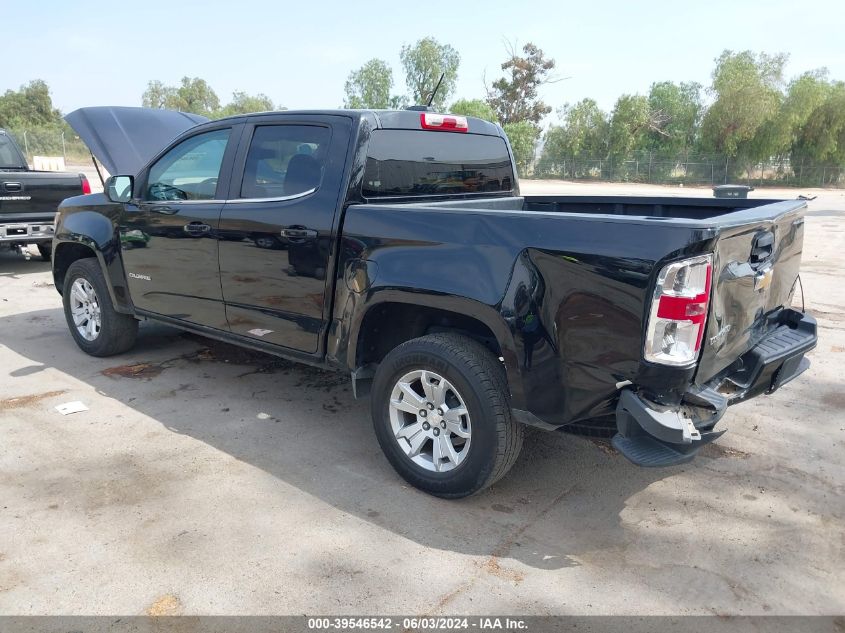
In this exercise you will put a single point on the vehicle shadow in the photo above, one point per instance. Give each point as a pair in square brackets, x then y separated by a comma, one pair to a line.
[562, 500]
[13, 265]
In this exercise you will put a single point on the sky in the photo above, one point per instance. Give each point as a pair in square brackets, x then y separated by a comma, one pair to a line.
[300, 53]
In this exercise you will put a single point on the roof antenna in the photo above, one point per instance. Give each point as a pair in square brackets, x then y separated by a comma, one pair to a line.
[434, 92]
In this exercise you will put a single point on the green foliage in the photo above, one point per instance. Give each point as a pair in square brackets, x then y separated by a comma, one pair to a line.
[29, 106]
[630, 123]
[821, 139]
[157, 95]
[191, 95]
[675, 112]
[243, 103]
[474, 107]
[747, 91]
[583, 133]
[514, 97]
[196, 96]
[423, 63]
[369, 86]
[523, 139]
[28, 114]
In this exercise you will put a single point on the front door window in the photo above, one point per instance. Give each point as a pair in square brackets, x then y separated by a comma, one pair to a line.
[190, 170]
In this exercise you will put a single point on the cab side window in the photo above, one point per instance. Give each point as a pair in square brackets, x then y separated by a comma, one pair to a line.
[190, 170]
[285, 160]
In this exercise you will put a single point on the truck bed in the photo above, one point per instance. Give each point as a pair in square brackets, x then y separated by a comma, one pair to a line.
[587, 266]
[727, 211]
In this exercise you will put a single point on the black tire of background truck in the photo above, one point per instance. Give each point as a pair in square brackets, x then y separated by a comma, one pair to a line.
[480, 378]
[46, 251]
[117, 331]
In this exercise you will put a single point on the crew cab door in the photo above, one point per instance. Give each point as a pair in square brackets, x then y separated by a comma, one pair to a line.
[276, 228]
[168, 235]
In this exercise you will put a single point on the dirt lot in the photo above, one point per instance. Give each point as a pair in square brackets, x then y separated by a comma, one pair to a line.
[206, 480]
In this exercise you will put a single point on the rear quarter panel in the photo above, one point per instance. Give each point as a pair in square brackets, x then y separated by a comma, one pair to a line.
[565, 294]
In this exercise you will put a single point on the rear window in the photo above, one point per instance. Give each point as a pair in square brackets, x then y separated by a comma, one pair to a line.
[423, 163]
[9, 154]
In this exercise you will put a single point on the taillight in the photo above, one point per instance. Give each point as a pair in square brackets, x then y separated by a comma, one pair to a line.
[86, 186]
[443, 122]
[679, 312]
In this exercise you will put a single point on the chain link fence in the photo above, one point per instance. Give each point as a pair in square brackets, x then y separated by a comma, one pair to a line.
[689, 169]
[51, 141]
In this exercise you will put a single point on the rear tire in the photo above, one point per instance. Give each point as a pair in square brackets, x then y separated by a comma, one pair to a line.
[46, 251]
[467, 384]
[96, 327]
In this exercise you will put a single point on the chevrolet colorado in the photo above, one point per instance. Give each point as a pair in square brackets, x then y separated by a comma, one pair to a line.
[28, 199]
[395, 246]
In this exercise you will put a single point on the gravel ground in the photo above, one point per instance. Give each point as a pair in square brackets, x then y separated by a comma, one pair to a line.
[203, 479]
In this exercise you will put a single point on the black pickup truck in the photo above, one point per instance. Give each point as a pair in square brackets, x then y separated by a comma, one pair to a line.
[395, 245]
[28, 199]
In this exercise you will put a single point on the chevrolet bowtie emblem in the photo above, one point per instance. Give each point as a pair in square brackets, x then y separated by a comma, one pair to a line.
[763, 279]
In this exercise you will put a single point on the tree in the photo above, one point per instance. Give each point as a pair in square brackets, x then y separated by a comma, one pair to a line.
[369, 86]
[473, 107]
[191, 95]
[195, 95]
[523, 139]
[424, 63]
[630, 122]
[157, 95]
[29, 106]
[821, 140]
[514, 97]
[747, 91]
[676, 111]
[583, 133]
[243, 103]
[778, 135]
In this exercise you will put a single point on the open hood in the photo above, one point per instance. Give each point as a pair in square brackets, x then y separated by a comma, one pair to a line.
[125, 139]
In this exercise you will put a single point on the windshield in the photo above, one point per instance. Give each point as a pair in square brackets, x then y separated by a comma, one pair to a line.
[10, 155]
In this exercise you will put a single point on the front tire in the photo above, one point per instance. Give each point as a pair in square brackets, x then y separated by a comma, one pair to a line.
[96, 327]
[441, 415]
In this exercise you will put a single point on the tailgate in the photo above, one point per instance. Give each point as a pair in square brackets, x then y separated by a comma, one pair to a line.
[32, 195]
[756, 263]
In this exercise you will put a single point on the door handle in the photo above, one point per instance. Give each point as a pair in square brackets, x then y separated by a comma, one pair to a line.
[196, 228]
[299, 234]
[13, 187]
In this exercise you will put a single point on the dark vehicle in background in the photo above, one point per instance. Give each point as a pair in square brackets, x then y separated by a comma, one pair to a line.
[29, 199]
[411, 261]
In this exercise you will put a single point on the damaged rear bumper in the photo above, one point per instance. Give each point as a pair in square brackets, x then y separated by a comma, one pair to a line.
[650, 434]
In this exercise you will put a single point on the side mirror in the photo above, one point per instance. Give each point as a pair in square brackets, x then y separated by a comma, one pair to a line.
[119, 188]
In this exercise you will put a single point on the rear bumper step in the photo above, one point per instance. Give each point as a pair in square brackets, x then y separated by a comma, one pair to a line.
[26, 232]
[647, 451]
[775, 360]
[650, 434]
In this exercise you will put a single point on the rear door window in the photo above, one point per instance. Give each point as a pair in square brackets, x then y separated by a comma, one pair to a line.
[285, 160]
[404, 163]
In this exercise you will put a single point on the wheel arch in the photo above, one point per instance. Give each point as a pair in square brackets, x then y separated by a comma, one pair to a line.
[66, 252]
[398, 316]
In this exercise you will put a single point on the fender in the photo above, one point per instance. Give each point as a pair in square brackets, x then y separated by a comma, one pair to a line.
[353, 307]
[91, 221]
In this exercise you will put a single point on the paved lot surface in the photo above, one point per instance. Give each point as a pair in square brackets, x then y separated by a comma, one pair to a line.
[207, 480]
